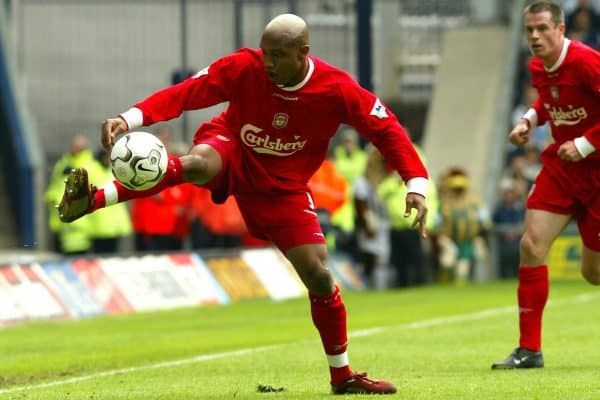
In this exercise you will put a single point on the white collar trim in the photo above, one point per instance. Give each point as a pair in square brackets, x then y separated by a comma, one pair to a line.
[561, 58]
[311, 69]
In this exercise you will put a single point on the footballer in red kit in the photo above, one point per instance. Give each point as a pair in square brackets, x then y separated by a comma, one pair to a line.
[566, 75]
[284, 107]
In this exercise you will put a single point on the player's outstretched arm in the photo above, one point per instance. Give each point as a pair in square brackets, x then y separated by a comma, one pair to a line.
[111, 128]
[417, 201]
[519, 136]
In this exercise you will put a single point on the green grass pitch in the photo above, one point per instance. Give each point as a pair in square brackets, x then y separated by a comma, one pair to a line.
[434, 343]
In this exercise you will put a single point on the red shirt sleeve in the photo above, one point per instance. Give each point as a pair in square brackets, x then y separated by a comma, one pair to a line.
[371, 117]
[208, 87]
[590, 75]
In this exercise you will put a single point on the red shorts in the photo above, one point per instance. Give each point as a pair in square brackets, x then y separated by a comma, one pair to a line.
[571, 189]
[285, 217]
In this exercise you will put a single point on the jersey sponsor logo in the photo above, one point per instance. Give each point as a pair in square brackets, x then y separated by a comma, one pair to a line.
[263, 144]
[200, 73]
[280, 120]
[378, 110]
[570, 116]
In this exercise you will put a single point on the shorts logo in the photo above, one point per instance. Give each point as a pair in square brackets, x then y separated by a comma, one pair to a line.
[280, 120]
[264, 144]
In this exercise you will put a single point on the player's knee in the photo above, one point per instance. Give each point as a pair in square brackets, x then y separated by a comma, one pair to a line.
[532, 248]
[316, 277]
[198, 169]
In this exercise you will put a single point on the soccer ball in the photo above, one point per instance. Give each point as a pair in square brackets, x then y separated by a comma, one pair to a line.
[139, 160]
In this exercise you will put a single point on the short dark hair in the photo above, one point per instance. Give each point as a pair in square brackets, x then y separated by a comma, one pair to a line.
[557, 14]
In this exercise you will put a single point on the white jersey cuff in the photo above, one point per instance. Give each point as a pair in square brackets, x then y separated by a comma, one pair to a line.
[111, 196]
[584, 147]
[417, 185]
[134, 118]
[531, 116]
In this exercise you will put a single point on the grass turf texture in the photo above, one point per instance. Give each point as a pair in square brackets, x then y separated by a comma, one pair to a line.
[433, 343]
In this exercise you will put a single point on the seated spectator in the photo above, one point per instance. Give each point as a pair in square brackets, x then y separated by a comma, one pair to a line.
[372, 222]
[582, 28]
[508, 218]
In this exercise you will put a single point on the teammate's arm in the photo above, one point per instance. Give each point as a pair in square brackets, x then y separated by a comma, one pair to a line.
[521, 132]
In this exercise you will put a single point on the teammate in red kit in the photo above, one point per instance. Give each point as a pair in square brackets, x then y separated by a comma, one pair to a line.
[284, 107]
[567, 76]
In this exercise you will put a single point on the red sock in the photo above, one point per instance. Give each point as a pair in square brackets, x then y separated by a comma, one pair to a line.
[119, 193]
[329, 316]
[532, 294]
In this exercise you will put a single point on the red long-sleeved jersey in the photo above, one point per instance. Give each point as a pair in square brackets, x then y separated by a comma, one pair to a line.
[569, 95]
[284, 132]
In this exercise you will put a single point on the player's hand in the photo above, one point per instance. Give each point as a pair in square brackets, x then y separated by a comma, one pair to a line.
[568, 152]
[111, 128]
[416, 201]
[519, 136]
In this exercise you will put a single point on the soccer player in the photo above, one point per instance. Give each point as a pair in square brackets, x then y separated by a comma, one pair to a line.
[567, 76]
[284, 107]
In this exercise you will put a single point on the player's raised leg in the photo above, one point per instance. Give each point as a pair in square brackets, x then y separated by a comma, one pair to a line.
[541, 228]
[79, 198]
[329, 317]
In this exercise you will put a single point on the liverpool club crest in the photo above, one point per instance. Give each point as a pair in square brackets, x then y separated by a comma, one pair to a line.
[554, 92]
[280, 120]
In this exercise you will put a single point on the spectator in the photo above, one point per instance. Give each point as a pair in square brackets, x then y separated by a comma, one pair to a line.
[508, 218]
[582, 27]
[407, 250]
[350, 158]
[573, 7]
[216, 225]
[330, 192]
[69, 239]
[351, 162]
[110, 225]
[540, 135]
[373, 227]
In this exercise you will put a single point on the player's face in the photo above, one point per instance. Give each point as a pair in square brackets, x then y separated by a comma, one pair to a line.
[544, 37]
[284, 62]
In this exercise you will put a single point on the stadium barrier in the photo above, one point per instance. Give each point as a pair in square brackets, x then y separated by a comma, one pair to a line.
[69, 288]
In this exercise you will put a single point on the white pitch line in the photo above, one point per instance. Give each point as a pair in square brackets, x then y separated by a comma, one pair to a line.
[491, 312]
